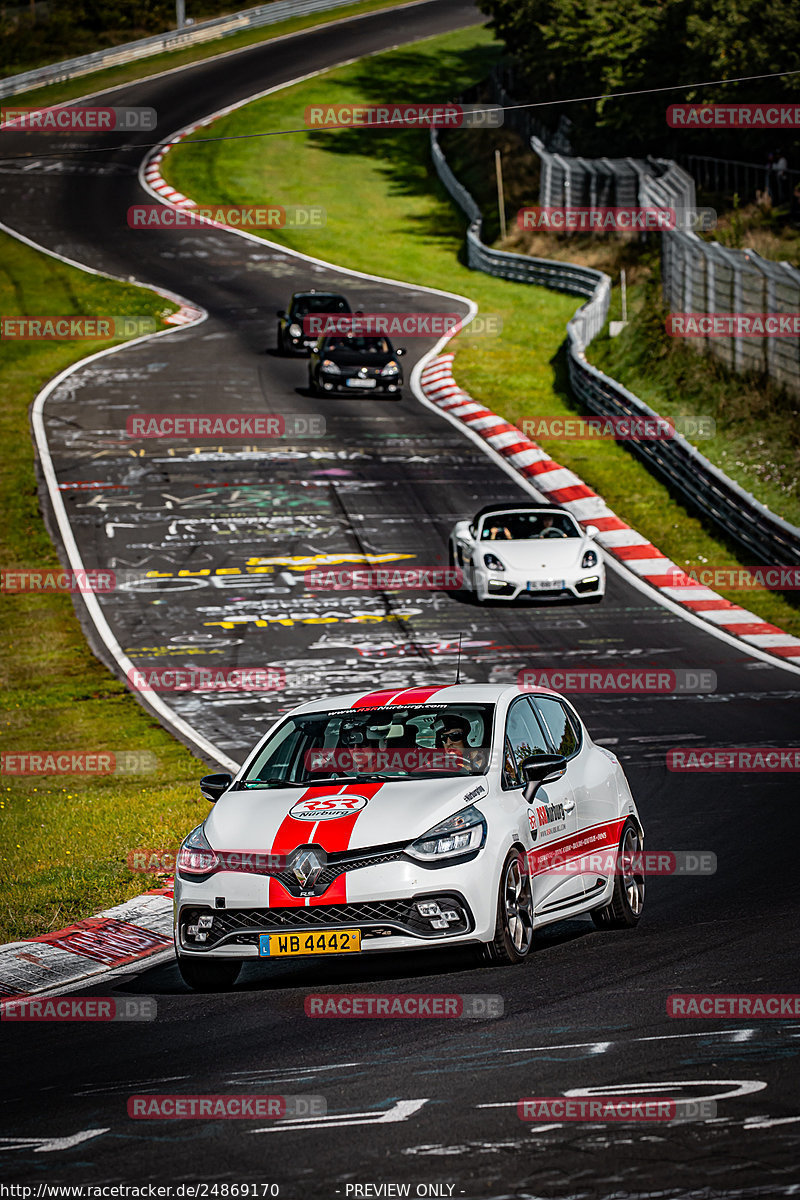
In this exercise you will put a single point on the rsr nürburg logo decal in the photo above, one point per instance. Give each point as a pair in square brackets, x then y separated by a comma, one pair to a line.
[327, 808]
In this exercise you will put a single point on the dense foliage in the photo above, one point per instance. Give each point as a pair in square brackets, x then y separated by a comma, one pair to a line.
[577, 48]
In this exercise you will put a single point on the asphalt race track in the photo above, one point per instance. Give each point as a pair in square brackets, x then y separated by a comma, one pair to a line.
[588, 1010]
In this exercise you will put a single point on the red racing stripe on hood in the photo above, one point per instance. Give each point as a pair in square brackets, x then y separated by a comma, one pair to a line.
[292, 833]
[337, 838]
[333, 836]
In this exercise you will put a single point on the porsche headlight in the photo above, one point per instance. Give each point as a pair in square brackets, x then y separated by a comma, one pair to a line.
[195, 856]
[457, 835]
[493, 562]
[391, 368]
[589, 559]
[295, 330]
[330, 366]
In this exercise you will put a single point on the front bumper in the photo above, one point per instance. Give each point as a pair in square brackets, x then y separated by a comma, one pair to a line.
[384, 924]
[379, 900]
[493, 585]
[352, 381]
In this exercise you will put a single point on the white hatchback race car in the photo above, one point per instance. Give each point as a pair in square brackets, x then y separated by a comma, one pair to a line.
[429, 817]
[512, 550]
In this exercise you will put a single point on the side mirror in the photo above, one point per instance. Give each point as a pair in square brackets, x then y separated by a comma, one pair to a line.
[471, 530]
[539, 769]
[591, 531]
[282, 313]
[400, 351]
[212, 786]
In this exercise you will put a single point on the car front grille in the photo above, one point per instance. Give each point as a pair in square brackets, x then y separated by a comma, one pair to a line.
[376, 918]
[338, 864]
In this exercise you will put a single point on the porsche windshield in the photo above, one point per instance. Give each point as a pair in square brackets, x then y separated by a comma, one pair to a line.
[418, 741]
[525, 526]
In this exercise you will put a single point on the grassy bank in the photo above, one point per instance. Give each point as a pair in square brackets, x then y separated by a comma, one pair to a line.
[387, 213]
[65, 839]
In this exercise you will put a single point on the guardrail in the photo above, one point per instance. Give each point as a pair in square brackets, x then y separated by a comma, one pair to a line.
[205, 31]
[679, 463]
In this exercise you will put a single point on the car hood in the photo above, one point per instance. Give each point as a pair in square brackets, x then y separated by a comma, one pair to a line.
[277, 820]
[549, 554]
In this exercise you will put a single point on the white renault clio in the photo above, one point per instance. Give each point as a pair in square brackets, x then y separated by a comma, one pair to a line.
[433, 816]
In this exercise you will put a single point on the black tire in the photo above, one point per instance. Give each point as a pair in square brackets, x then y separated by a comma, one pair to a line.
[312, 385]
[593, 599]
[279, 343]
[513, 935]
[624, 909]
[209, 975]
[451, 558]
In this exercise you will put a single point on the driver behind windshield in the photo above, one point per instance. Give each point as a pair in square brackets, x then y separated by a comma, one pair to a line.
[452, 737]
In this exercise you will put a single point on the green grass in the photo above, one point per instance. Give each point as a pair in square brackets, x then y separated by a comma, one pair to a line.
[387, 213]
[98, 81]
[64, 840]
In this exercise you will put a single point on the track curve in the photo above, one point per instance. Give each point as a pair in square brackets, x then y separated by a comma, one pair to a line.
[391, 478]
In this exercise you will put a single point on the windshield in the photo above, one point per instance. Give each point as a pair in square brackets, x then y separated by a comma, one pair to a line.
[525, 526]
[365, 345]
[418, 741]
[319, 304]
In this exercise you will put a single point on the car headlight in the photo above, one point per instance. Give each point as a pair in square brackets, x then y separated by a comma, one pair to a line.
[459, 834]
[391, 368]
[493, 562]
[295, 330]
[195, 856]
[330, 366]
[589, 559]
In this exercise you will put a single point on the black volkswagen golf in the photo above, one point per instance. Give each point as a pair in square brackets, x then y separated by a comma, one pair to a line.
[291, 334]
[353, 363]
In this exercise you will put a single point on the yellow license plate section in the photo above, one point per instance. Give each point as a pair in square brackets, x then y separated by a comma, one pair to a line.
[284, 945]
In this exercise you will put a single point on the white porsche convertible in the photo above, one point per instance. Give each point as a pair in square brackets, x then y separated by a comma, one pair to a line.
[511, 550]
[429, 817]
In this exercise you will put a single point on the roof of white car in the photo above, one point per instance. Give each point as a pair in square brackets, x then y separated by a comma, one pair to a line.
[458, 693]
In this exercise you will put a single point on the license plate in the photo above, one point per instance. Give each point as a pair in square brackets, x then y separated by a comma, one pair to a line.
[282, 945]
[360, 383]
[545, 585]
